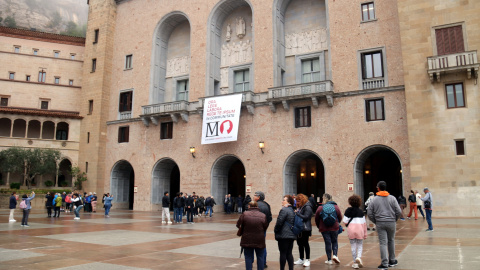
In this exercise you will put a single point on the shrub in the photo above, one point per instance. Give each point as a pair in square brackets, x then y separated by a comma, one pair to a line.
[15, 185]
[63, 183]
[48, 183]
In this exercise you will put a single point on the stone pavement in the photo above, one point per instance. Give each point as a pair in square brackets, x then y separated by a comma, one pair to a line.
[138, 240]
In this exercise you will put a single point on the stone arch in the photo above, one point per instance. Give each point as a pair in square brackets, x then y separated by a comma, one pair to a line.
[34, 127]
[291, 173]
[162, 33]
[5, 127]
[360, 173]
[221, 174]
[165, 177]
[48, 130]
[64, 172]
[214, 43]
[62, 131]
[122, 180]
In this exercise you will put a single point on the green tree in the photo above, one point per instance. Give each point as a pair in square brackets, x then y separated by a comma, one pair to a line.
[79, 176]
[10, 22]
[29, 162]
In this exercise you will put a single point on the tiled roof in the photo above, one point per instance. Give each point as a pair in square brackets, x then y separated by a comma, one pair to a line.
[37, 112]
[41, 36]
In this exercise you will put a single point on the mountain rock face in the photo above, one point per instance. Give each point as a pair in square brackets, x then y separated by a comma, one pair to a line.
[54, 16]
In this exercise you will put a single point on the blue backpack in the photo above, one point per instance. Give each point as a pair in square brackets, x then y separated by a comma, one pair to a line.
[297, 227]
[329, 215]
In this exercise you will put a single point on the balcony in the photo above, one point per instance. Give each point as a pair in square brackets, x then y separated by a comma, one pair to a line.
[313, 91]
[172, 109]
[453, 63]
[125, 115]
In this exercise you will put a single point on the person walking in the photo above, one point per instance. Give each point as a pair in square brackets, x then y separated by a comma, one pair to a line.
[239, 203]
[57, 206]
[419, 202]
[190, 204]
[264, 207]
[77, 205]
[26, 210]
[49, 204]
[371, 195]
[201, 206]
[413, 205]
[328, 218]
[384, 211]
[94, 202]
[208, 205]
[428, 202]
[12, 206]
[252, 226]
[305, 212]
[354, 220]
[402, 201]
[108, 205]
[283, 232]
[166, 208]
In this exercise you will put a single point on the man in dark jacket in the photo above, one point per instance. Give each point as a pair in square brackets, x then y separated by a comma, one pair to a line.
[178, 208]
[166, 207]
[13, 205]
[189, 205]
[239, 203]
[245, 203]
[313, 203]
[264, 207]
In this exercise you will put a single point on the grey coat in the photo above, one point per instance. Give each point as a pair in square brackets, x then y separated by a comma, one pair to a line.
[283, 227]
[306, 213]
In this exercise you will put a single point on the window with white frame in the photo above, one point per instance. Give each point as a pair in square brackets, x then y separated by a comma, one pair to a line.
[182, 90]
[128, 61]
[368, 11]
[310, 70]
[242, 80]
[372, 68]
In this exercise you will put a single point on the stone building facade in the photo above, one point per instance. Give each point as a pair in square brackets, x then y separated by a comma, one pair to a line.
[40, 82]
[322, 87]
[440, 40]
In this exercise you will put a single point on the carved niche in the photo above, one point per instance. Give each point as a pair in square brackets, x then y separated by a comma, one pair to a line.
[305, 42]
[236, 53]
[178, 66]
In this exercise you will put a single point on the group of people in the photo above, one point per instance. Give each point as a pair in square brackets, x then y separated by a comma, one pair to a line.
[240, 204]
[189, 205]
[59, 203]
[383, 210]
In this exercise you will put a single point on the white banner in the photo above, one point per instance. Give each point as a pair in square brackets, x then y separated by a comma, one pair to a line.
[220, 119]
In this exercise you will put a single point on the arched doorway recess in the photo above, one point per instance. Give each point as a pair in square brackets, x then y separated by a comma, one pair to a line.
[228, 177]
[304, 172]
[122, 182]
[165, 177]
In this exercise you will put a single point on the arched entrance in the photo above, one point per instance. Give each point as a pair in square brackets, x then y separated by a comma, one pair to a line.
[165, 177]
[121, 185]
[378, 163]
[64, 173]
[304, 173]
[228, 177]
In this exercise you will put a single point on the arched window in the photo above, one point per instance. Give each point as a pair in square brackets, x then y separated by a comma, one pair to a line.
[33, 129]
[48, 130]
[19, 128]
[62, 131]
[5, 127]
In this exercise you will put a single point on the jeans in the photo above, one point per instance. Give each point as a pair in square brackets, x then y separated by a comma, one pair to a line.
[331, 244]
[249, 258]
[77, 211]
[189, 215]
[429, 218]
[107, 209]
[285, 246]
[239, 209]
[265, 257]
[26, 212]
[165, 213]
[178, 214]
[209, 209]
[419, 208]
[386, 237]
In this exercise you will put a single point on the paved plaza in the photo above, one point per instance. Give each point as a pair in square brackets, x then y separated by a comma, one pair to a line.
[139, 240]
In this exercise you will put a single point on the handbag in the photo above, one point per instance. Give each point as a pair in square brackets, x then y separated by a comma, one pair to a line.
[427, 204]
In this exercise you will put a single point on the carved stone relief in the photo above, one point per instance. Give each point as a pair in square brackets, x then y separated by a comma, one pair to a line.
[229, 33]
[241, 27]
[224, 77]
[305, 42]
[178, 66]
[236, 53]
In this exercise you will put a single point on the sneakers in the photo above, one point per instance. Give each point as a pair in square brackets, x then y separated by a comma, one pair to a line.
[428, 230]
[163, 222]
[306, 263]
[169, 222]
[335, 259]
[329, 262]
[402, 219]
[408, 217]
[355, 266]
[26, 226]
[382, 267]
[392, 263]
[359, 262]
[76, 218]
[300, 261]
[11, 220]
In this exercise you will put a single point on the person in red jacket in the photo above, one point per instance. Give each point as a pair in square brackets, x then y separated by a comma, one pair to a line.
[328, 224]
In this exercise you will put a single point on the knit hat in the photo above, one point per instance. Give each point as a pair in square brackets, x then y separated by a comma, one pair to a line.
[260, 195]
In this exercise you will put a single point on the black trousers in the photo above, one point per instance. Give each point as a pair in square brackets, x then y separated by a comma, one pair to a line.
[57, 211]
[303, 245]
[285, 246]
[49, 211]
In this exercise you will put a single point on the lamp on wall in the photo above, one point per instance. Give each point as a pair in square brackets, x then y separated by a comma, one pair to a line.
[261, 145]
[192, 151]
[367, 172]
[313, 174]
[302, 175]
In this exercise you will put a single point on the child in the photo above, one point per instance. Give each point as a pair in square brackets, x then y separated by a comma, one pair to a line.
[355, 222]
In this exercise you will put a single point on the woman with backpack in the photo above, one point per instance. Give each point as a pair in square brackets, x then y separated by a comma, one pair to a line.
[305, 212]
[283, 232]
[356, 225]
[25, 206]
[327, 219]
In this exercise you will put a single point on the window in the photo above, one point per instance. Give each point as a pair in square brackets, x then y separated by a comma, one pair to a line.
[72, 56]
[88, 137]
[125, 104]
[128, 61]
[449, 40]
[368, 11]
[455, 95]
[70, 82]
[182, 90]
[86, 167]
[374, 109]
[95, 38]
[123, 134]
[27, 78]
[41, 76]
[90, 106]
[17, 49]
[94, 64]
[11, 75]
[35, 51]
[4, 101]
[166, 130]
[44, 105]
[242, 80]
[310, 70]
[56, 54]
[460, 147]
[57, 80]
[62, 135]
[372, 65]
[303, 117]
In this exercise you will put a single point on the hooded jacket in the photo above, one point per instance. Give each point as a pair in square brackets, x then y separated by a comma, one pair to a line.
[384, 208]
[254, 224]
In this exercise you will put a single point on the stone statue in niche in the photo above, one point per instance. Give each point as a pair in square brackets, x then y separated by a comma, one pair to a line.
[236, 53]
[305, 42]
[224, 77]
[229, 33]
[241, 28]
[178, 66]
